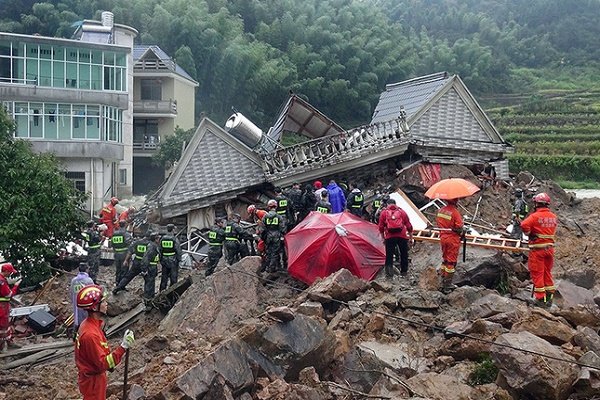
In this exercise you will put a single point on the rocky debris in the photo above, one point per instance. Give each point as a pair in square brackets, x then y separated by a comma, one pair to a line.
[393, 356]
[546, 326]
[419, 299]
[492, 304]
[588, 339]
[439, 387]
[218, 304]
[429, 279]
[581, 315]
[341, 285]
[571, 295]
[283, 314]
[123, 302]
[588, 381]
[530, 375]
[136, 392]
[311, 309]
[465, 296]
[483, 267]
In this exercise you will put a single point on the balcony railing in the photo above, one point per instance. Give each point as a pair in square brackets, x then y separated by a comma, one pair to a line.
[150, 143]
[155, 106]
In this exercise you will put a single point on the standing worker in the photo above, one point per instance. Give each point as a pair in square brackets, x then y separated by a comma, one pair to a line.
[540, 226]
[77, 283]
[6, 293]
[216, 236]
[149, 268]
[336, 197]
[324, 206]
[450, 222]
[356, 200]
[92, 354]
[284, 208]
[295, 196]
[273, 229]
[520, 211]
[307, 202]
[233, 234]
[133, 261]
[120, 241]
[396, 229]
[93, 242]
[108, 216]
[170, 257]
[128, 216]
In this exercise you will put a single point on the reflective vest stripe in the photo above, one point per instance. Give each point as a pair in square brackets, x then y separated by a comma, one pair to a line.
[545, 236]
[444, 216]
[323, 210]
[169, 254]
[121, 250]
[4, 298]
[110, 361]
[95, 246]
[216, 244]
[232, 239]
[541, 245]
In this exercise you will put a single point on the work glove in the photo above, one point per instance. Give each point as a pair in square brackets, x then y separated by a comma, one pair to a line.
[144, 272]
[13, 281]
[128, 339]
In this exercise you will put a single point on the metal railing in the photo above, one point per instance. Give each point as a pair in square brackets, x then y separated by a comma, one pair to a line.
[334, 149]
[146, 144]
[155, 106]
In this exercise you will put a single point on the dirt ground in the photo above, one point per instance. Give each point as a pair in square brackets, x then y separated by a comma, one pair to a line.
[153, 366]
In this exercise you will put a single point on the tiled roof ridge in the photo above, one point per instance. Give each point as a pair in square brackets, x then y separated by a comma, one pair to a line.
[438, 76]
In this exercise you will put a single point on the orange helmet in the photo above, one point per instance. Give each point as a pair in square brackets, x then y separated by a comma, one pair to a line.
[541, 198]
[7, 269]
[251, 209]
[114, 201]
[272, 203]
[90, 296]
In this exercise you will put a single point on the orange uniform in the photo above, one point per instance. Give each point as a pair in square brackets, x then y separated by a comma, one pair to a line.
[6, 293]
[108, 215]
[94, 358]
[540, 226]
[449, 219]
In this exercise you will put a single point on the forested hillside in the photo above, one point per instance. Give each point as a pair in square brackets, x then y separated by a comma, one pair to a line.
[341, 53]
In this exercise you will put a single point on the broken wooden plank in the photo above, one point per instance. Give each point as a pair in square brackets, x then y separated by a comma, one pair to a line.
[122, 320]
[23, 311]
[52, 357]
[36, 348]
[31, 359]
[167, 298]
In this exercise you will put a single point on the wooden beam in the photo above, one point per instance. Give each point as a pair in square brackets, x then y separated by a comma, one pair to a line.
[36, 348]
[31, 359]
[120, 321]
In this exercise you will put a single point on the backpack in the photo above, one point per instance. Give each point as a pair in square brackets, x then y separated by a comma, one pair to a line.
[394, 222]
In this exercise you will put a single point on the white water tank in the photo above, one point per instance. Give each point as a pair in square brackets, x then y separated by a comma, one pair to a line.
[244, 130]
[108, 19]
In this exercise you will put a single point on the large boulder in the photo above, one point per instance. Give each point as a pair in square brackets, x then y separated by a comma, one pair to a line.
[419, 299]
[571, 295]
[546, 326]
[216, 305]
[341, 285]
[588, 382]
[439, 387]
[123, 302]
[530, 375]
[588, 339]
[483, 267]
[492, 304]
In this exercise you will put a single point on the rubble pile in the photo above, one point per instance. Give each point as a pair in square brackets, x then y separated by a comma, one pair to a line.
[236, 336]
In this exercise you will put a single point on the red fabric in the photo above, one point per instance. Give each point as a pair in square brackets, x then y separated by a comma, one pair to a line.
[108, 215]
[387, 213]
[6, 292]
[315, 249]
[124, 216]
[540, 266]
[449, 218]
[452, 188]
[541, 222]
[91, 352]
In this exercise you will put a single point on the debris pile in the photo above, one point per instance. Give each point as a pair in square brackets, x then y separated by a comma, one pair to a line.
[236, 335]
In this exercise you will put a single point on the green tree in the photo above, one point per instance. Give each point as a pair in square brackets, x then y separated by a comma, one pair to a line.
[171, 148]
[39, 206]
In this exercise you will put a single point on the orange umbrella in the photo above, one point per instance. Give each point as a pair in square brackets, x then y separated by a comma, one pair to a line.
[453, 188]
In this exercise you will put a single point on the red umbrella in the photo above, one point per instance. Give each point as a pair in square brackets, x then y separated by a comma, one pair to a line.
[324, 243]
[453, 188]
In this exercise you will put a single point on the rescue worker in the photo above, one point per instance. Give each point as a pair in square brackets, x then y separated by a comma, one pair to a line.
[382, 206]
[396, 229]
[77, 283]
[376, 205]
[272, 232]
[540, 226]
[170, 257]
[307, 202]
[450, 223]
[233, 234]
[323, 205]
[149, 267]
[7, 271]
[284, 208]
[133, 261]
[120, 241]
[108, 216]
[318, 190]
[520, 211]
[93, 243]
[216, 236]
[355, 201]
[295, 196]
[256, 215]
[128, 216]
[336, 197]
[92, 354]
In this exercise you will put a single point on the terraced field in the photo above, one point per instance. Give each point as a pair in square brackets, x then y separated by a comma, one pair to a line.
[556, 135]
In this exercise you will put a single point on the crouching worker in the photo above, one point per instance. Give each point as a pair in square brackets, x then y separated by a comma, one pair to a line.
[92, 354]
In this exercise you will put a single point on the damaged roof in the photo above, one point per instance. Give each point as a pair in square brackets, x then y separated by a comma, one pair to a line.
[213, 168]
[437, 105]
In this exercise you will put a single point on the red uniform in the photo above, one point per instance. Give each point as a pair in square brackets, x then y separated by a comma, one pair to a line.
[108, 215]
[5, 295]
[93, 359]
[449, 219]
[540, 226]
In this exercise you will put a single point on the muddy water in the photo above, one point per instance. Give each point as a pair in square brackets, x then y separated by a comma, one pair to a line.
[585, 193]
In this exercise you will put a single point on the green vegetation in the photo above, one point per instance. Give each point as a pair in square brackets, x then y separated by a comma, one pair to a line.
[39, 207]
[484, 372]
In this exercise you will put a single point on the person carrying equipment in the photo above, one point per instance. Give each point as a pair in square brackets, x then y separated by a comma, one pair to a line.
[450, 222]
[540, 226]
[170, 257]
[92, 354]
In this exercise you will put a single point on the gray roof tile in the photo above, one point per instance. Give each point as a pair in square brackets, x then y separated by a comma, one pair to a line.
[139, 50]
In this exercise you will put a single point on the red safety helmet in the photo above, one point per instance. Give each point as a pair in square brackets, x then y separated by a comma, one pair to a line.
[90, 296]
[114, 201]
[272, 203]
[251, 209]
[7, 269]
[541, 198]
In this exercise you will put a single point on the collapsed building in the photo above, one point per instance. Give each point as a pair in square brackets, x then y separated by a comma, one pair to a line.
[430, 119]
